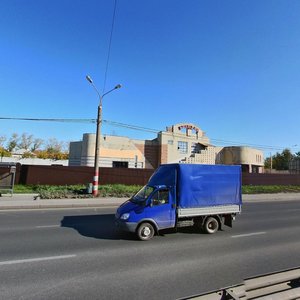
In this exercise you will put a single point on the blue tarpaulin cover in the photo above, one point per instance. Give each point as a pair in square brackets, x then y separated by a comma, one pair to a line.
[201, 185]
[164, 175]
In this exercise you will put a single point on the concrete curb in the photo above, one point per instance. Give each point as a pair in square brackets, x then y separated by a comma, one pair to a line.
[271, 197]
[29, 201]
[45, 206]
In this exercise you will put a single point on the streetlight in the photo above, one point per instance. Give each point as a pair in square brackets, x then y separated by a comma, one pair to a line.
[98, 134]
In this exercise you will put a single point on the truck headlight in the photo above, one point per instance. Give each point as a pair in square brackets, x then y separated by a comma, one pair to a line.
[125, 216]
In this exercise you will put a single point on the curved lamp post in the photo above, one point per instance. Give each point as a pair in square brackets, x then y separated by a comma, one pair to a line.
[98, 134]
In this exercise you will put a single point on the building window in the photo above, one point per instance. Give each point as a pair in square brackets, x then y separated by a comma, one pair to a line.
[183, 147]
[195, 148]
[120, 164]
[170, 142]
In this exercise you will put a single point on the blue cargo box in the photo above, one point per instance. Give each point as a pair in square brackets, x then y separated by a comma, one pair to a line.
[201, 185]
[208, 185]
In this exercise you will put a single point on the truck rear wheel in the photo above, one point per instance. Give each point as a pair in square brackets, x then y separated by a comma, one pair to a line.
[211, 225]
[145, 232]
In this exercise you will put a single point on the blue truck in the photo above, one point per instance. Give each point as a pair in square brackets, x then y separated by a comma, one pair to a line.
[179, 195]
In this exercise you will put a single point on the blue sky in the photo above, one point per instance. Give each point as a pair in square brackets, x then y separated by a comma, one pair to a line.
[230, 67]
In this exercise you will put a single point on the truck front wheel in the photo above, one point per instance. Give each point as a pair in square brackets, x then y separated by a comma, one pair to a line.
[145, 232]
[211, 225]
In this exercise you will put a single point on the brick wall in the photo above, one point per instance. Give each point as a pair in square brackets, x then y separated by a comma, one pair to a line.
[164, 154]
[270, 179]
[60, 175]
[151, 154]
[55, 175]
[125, 176]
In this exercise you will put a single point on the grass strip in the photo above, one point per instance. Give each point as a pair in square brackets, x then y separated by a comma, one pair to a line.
[121, 190]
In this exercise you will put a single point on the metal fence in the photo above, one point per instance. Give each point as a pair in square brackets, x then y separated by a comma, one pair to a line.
[281, 285]
[7, 177]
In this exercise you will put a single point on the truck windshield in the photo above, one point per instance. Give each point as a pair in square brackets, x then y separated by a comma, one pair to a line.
[141, 196]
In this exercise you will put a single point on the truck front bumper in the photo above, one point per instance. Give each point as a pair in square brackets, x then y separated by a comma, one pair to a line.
[125, 226]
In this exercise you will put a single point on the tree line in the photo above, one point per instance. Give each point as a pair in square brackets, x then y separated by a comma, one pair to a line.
[280, 161]
[33, 147]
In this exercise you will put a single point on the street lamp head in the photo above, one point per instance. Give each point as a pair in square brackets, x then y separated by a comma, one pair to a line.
[89, 79]
[118, 86]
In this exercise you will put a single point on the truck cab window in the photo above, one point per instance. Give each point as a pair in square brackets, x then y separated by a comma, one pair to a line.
[160, 197]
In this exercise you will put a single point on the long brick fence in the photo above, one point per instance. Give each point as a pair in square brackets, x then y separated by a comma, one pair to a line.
[61, 175]
[271, 179]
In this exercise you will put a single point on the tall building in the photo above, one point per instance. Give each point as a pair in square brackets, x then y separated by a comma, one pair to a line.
[180, 143]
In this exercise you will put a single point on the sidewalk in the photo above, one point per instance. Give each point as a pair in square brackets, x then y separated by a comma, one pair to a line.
[271, 197]
[30, 201]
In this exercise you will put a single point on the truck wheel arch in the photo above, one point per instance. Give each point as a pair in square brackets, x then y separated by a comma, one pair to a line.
[150, 221]
[217, 217]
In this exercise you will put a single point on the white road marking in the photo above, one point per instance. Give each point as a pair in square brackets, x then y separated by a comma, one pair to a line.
[47, 226]
[29, 260]
[248, 234]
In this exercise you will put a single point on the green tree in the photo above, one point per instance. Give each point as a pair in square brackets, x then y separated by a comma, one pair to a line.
[281, 160]
[4, 153]
[52, 154]
[13, 142]
[37, 143]
[26, 141]
[267, 163]
[28, 154]
[54, 150]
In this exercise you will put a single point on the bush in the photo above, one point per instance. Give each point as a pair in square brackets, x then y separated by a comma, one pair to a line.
[118, 190]
[80, 191]
[121, 190]
[4, 152]
[25, 189]
[270, 189]
[60, 192]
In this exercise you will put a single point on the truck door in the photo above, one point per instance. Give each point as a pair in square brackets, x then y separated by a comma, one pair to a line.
[162, 209]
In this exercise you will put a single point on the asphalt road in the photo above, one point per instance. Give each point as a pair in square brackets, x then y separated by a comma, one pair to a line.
[75, 254]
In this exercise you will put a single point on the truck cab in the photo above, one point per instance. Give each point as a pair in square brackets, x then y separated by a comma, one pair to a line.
[153, 205]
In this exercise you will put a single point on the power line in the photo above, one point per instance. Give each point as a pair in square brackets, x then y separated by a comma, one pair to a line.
[51, 120]
[133, 127]
[144, 129]
[64, 120]
[109, 46]
[249, 144]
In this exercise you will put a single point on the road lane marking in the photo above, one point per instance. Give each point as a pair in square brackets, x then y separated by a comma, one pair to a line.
[248, 234]
[29, 260]
[47, 226]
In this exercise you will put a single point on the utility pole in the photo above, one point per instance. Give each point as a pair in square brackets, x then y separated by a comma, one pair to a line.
[98, 134]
